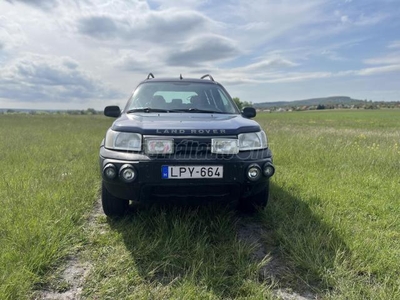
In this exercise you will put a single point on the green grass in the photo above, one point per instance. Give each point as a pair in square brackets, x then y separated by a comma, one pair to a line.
[335, 207]
[332, 221]
[178, 253]
[49, 181]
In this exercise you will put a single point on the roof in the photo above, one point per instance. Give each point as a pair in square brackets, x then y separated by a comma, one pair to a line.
[203, 79]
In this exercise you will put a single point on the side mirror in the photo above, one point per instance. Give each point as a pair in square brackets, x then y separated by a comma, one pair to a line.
[112, 111]
[249, 112]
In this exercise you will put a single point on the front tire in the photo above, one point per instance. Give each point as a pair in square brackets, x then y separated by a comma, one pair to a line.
[256, 201]
[113, 206]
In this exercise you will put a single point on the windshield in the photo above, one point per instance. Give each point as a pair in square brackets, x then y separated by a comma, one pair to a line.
[180, 97]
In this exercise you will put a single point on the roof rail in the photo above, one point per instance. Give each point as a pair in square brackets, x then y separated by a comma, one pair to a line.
[150, 75]
[207, 75]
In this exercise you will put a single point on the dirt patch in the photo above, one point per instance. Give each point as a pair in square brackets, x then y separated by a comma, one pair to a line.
[274, 268]
[255, 235]
[68, 283]
[96, 212]
[288, 295]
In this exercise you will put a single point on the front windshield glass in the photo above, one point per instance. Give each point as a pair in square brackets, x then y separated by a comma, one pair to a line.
[180, 97]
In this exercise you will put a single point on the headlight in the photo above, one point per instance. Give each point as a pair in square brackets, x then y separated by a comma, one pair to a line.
[224, 146]
[252, 141]
[123, 140]
[159, 146]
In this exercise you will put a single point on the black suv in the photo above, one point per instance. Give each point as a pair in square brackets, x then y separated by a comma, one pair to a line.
[183, 138]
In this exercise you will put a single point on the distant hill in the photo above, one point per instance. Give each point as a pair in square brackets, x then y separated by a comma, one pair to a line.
[335, 100]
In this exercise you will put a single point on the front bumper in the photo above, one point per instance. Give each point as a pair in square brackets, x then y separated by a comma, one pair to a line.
[149, 182]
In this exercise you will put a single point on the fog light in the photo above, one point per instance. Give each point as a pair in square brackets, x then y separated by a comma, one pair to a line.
[268, 170]
[253, 172]
[127, 173]
[110, 171]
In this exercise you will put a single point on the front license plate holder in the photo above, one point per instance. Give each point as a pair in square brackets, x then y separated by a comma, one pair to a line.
[192, 172]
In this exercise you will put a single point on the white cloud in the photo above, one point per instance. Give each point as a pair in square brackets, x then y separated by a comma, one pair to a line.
[267, 65]
[391, 58]
[42, 4]
[165, 4]
[166, 26]
[261, 22]
[139, 61]
[233, 78]
[379, 70]
[370, 20]
[11, 34]
[394, 45]
[297, 77]
[48, 78]
[192, 55]
[340, 23]
[345, 19]
[332, 55]
[242, 75]
[203, 48]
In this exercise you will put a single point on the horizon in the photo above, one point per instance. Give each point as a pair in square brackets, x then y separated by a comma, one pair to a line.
[283, 101]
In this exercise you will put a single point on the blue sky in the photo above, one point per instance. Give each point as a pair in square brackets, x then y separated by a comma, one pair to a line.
[77, 54]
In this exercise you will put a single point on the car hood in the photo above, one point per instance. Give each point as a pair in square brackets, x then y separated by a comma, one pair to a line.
[184, 124]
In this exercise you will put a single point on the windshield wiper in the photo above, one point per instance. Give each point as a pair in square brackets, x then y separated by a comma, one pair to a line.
[146, 110]
[197, 110]
[190, 110]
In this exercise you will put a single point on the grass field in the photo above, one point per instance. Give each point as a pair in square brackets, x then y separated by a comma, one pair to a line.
[49, 181]
[331, 228]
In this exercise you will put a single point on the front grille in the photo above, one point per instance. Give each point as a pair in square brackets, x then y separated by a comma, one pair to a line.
[192, 146]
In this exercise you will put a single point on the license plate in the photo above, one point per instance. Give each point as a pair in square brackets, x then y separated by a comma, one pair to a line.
[191, 172]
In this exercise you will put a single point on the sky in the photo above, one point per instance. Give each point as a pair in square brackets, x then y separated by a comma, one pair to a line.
[82, 54]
